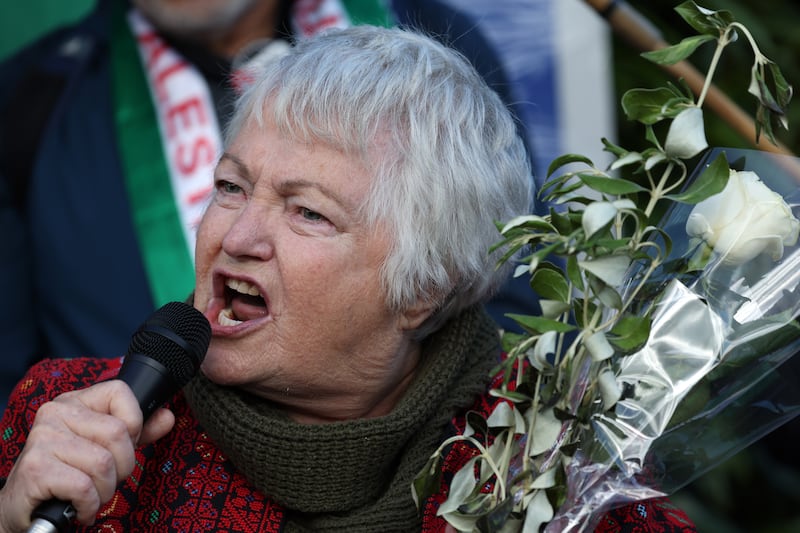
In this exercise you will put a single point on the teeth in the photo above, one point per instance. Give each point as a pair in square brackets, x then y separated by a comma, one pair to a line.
[242, 287]
[225, 318]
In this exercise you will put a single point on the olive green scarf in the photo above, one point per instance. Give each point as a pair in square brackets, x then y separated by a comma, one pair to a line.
[355, 475]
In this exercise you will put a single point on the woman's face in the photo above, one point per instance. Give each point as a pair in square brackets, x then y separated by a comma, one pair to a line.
[289, 277]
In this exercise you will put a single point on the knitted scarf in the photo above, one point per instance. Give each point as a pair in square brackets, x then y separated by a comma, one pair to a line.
[354, 475]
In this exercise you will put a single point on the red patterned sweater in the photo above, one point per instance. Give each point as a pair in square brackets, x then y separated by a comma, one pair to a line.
[183, 483]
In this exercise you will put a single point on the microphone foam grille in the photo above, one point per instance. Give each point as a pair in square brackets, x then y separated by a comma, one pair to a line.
[177, 336]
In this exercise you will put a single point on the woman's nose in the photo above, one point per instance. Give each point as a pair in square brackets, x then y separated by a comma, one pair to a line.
[249, 235]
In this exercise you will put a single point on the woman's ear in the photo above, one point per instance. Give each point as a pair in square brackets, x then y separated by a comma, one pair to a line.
[413, 317]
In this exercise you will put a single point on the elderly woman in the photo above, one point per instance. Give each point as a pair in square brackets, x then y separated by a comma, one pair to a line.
[341, 264]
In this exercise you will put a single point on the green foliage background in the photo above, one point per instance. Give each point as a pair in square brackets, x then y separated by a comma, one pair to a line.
[773, 24]
[757, 490]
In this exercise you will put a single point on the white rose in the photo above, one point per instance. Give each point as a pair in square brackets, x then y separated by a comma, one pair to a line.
[744, 220]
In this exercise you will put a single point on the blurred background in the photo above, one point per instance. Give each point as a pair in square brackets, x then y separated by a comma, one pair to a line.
[757, 490]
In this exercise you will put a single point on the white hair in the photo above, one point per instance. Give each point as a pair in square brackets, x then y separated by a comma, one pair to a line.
[446, 158]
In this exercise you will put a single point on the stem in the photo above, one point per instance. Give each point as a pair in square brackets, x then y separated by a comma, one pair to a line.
[505, 461]
[534, 410]
[578, 390]
[484, 453]
[521, 349]
[749, 36]
[658, 192]
[722, 42]
[653, 265]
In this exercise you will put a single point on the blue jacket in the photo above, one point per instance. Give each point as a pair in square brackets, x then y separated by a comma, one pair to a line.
[71, 273]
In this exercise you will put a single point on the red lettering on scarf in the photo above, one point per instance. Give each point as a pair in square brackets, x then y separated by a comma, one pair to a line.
[310, 19]
[183, 111]
[319, 25]
[304, 8]
[200, 196]
[154, 49]
[189, 157]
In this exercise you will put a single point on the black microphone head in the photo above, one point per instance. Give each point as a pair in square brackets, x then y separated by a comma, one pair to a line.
[177, 336]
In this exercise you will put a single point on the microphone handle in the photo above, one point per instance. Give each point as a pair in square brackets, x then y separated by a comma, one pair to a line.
[139, 373]
[154, 371]
[52, 516]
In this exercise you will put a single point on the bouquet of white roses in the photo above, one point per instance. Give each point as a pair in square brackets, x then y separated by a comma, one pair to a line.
[669, 301]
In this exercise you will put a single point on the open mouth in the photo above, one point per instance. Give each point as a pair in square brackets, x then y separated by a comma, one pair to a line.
[243, 302]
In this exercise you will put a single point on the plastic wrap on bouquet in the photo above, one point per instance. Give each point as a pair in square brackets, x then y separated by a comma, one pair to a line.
[715, 375]
[685, 344]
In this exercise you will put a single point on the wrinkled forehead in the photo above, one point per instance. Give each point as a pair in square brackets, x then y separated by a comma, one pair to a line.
[374, 143]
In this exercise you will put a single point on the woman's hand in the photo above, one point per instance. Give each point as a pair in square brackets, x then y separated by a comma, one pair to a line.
[80, 447]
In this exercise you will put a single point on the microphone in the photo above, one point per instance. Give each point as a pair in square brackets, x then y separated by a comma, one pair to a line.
[164, 355]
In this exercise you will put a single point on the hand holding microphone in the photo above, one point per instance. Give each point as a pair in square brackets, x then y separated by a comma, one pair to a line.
[82, 443]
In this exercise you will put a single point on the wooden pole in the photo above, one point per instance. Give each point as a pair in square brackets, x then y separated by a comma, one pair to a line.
[631, 26]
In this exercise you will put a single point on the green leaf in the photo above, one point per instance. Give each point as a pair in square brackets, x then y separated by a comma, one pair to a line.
[562, 223]
[461, 488]
[610, 185]
[613, 148]
[686, 136]
[549, 283]
[630, 158]
[497, 520]
[704, 20]
[510, 395]
[461, 521]
[546, 430]
[764, 123]
[428, 481]
[678, 52]
[574, 273]
[598, 217]
[568, 159]
[477, 423]
[655, 159]
[563, 190]
[553, 308]
[630, 333]
[538, 512]
[646, 105]
[537, 324]
[562, 415]
[650, 135]
[607, 295]
[712, 181]
[528, 221]
[577, 308]
[610, 269]
[612, 244]
[503, 416]
[783, 91]
[546, 479]
[764, 95]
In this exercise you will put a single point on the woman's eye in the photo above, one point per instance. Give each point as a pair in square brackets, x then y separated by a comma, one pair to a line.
[312, 216]
[228, 187]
